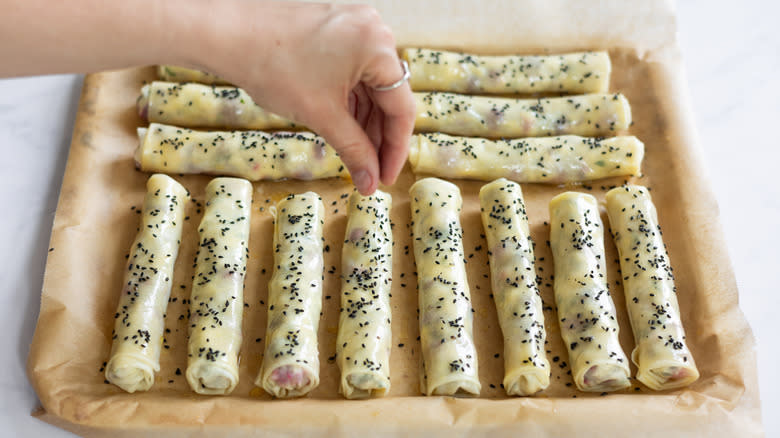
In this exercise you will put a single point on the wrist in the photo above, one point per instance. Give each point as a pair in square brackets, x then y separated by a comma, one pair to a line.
[228, 37]
[177, 32]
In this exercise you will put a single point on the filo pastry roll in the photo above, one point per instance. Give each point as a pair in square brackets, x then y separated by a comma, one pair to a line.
[586, 313]
[513, 278]
[496, 117]
[440, 70]
[254, 155]
[217, 298]
[172, 73]
[139, 322]
[552, 160]
[364, 336]
[446, 319]
[661, 352]
[291, 366]
[204, 106]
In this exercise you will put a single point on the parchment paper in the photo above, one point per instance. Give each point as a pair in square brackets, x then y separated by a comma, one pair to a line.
[95, 225]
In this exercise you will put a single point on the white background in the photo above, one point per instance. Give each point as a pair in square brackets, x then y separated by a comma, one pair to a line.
[732, 54]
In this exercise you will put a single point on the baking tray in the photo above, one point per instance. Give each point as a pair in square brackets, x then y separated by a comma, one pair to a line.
[95, 225]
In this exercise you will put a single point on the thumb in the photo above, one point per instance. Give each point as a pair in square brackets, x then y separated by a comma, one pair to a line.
[355, 149]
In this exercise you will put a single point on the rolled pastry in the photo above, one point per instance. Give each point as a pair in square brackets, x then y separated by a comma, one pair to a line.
[173, 73]
[586, 313]
[364, 336]
[576, 73]
[661, 353]
[204, 106]
[495, 117]
[217, 300]
[513, 277]
[449, 354]
[138, 325]
[254, 155]
[553, 160]
[291, 365]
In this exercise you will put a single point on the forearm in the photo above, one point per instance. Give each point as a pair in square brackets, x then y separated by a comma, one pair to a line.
[317, 64]
[45, 37]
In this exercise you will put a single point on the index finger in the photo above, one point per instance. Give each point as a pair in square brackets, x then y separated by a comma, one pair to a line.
[399, 115]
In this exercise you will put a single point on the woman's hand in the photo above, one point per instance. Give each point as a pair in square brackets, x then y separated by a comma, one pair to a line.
[314, 63]
[318, 64]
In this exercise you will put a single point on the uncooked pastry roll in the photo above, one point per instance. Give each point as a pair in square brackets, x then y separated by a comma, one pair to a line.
[661, 353]
[364, 336]
[254, 155]
[291, 365]
[496, 117]
[138, 326]
[205, 106]
[586, 313]
[449, 354]
[217, 300]
[552, 160]
[513, 277]
[173, 73]
[576, 73]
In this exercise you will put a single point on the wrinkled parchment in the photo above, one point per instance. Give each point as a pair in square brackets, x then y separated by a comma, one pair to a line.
[95, 225]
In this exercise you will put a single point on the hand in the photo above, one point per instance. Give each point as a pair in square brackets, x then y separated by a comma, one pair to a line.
[317, 64]
[314, 63]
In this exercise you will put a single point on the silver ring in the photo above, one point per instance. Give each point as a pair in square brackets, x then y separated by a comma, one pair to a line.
[399, 82]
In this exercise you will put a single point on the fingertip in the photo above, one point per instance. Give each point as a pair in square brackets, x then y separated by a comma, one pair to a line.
[354, 148]
[365, 183]
[388, 177]
[397, 134]
[393, 157]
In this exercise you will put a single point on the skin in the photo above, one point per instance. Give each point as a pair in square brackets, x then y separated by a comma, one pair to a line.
[314, 63]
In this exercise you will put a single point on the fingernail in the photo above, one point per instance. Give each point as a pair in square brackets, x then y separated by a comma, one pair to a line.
[363, 182]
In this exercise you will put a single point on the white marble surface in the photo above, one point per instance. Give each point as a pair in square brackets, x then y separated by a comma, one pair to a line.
[732, 54]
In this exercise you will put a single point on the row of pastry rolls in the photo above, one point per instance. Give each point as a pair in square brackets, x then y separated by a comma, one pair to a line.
[202, 106]
[217, 292]
[586, 313]
[258, 155]
[243, 150]
[290, 364]
[441, 70]
[530, 140]
[453, 94]
[465, 135]
[483, 130]
[216, 303]
[290, 367]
